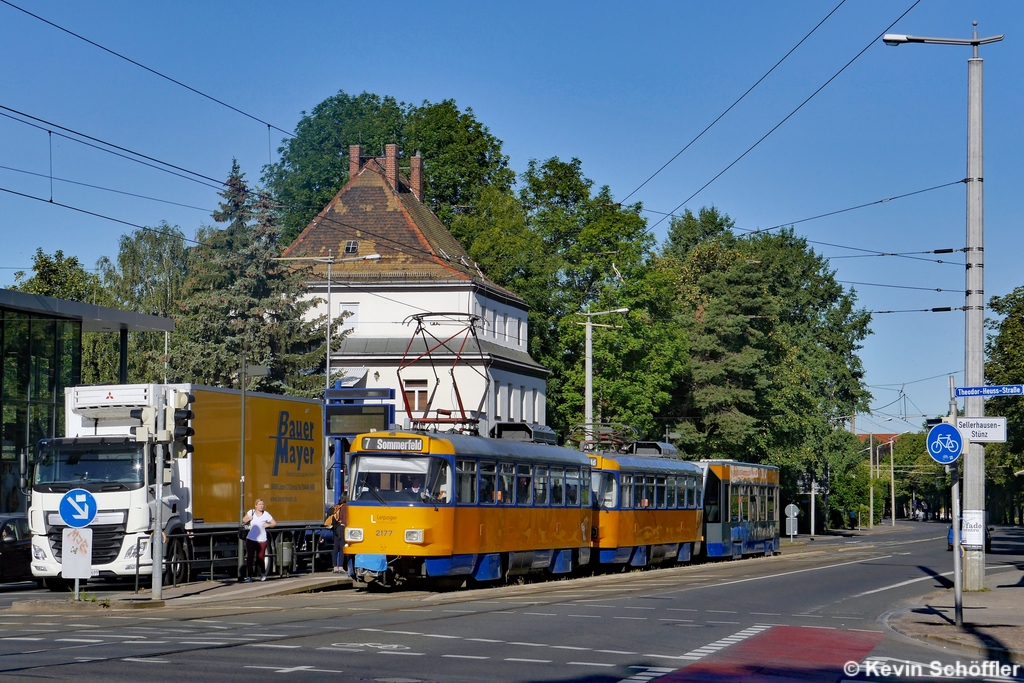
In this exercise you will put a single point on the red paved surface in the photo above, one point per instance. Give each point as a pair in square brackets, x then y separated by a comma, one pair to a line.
[782, 654]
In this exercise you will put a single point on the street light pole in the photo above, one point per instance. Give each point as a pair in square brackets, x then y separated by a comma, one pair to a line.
[588, 390]
[892, 482]
[974, 306]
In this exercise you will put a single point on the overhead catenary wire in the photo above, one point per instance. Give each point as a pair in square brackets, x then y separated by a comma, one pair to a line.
[100, 187]
[921, 289]
[735, 102]
[147, 68]
[790, 114]
[198, 177]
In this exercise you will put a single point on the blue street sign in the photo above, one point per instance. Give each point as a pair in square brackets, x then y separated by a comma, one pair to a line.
[77, 508]
[945, 443]
[998, 390]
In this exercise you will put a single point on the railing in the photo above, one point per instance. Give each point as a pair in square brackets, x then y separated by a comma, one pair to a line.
[221, 549]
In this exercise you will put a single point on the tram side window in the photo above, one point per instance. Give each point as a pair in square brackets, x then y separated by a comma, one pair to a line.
[691, 492]
[763, 505]
[649, 492]
[585, 488]
[557, 486]
[540, 486]
[606, 490]
[488, 474]
[524, 485]
[771, 503]
[734, 502]
[659, 493]
[465, 475]
[572, 487]
[506, 483]
[670, 490]
[627, 490]
[681, 484]
[713, 499]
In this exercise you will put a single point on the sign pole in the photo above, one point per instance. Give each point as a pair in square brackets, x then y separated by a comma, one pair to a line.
[954, 469]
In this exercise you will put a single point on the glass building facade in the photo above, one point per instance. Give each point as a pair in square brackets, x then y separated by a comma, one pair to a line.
[40, 355]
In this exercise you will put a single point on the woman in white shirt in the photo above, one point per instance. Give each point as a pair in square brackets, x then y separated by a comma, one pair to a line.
[256, 540]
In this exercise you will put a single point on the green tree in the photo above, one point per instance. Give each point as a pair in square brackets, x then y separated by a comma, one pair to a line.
[237, 298]
[567, 249]
[1005, 365]
[460, 155]
[58, 276]
[148, 276]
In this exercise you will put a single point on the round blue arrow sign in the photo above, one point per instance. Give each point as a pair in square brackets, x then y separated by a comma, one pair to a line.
[945, 444]
[77, 508]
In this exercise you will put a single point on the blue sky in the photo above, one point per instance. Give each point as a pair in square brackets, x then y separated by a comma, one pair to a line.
[623, 87]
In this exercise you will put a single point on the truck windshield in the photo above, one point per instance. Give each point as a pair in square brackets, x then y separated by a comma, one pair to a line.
[102, 467]
[394, 479]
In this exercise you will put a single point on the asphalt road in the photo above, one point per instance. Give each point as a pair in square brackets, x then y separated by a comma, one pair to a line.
[819, 608]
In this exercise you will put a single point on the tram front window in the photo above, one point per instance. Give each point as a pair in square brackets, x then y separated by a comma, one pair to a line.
[401, 479]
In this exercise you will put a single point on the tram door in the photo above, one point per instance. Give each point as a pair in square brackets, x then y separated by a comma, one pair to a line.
[715, 491]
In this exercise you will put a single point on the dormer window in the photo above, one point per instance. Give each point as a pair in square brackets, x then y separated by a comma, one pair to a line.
[352, 247]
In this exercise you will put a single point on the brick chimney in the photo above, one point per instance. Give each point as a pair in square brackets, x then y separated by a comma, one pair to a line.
[416, 176]
[391, 165]
[355, 153]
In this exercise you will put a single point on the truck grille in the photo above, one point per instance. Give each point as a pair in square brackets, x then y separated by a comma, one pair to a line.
[106, 542]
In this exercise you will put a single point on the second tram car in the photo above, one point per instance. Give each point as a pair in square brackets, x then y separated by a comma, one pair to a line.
[647, 507]
[741, 508]
[465, 507]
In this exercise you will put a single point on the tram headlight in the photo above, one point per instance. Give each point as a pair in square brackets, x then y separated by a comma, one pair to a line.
[414, 535]
[353, 534]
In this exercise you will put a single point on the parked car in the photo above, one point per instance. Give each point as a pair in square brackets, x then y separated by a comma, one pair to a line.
[988, 538]
[15, 548]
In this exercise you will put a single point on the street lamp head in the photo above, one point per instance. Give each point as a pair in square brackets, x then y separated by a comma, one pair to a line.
[621, 310]
[895, 39]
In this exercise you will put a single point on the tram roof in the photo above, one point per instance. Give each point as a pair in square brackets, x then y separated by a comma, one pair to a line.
[635, 463]
[736, 463]
[499, 449]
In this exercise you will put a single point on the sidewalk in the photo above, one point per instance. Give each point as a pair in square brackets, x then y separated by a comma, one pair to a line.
[204, 593]
[993, 619]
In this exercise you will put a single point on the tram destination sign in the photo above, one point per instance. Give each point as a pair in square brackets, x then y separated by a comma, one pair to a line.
[391, 443]
[982, 429]
[989, 391]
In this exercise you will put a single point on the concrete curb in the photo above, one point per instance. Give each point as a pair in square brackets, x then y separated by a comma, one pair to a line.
[44, 606]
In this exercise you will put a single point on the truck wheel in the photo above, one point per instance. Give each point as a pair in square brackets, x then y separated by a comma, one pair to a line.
[176, 567]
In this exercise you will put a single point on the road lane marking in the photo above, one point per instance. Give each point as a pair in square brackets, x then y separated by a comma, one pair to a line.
[465, 656]
[145, 660]
[903, 583]
[283, 647]
[721, 611]
[527, 644]
[568, 647]
[586, 616]
[588, 664]
[200, 642]
[485, 640]
[540, 614]
[617, 652]
[531, 661]
[396, 652]
[19, 638]
[77, 640]
[632, 618]
[789, 573]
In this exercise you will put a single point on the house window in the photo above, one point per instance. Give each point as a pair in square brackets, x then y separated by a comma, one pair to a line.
[522, 404]
[494, 324]
[352, 247]
[483, 321]
[536, 407]
[497, 401]
[511, 417]
[519, 331]
[416, 394]
[504, 327]
[352, 317]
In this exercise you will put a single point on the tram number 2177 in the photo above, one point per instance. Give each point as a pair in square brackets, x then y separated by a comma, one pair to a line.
[384, 532]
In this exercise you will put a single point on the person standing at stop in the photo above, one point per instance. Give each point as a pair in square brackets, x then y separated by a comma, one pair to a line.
[256, 540]
[337, 518]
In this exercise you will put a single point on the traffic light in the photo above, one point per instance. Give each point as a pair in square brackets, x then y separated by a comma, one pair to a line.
[147, 419]
[177, 419]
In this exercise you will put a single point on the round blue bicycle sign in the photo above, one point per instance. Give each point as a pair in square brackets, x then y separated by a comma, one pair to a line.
[945, 444]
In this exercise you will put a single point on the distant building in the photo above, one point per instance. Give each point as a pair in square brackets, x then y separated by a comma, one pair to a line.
[41, 351]
[422, 268]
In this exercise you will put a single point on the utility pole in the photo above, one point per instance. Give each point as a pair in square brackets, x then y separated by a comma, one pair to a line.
[892, 482]
[974, 368]
[158, 491]
[871, 479]
[974, 305]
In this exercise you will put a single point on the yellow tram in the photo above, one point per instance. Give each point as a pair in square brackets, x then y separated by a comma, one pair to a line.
[648, 506]
[429, 505]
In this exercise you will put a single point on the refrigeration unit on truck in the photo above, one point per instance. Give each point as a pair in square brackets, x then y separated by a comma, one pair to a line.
[110, 449]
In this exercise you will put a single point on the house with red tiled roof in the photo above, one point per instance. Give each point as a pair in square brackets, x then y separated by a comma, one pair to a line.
[393, 259]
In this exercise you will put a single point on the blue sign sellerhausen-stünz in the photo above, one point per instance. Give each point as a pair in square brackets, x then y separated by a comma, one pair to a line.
[77, 508]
